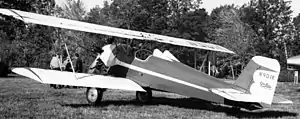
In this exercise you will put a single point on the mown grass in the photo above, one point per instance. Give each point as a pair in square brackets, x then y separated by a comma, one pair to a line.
[24, 98]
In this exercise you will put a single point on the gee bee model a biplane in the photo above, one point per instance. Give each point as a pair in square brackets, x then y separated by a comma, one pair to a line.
[161, 71]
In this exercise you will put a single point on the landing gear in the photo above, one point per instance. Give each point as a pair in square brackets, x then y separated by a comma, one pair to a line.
[56, 86]
[235, 109]
[94, 95]
[144, 97]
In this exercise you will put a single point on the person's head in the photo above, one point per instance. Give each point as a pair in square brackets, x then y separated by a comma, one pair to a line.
[54, 55]
[76, 55]
[110, 40]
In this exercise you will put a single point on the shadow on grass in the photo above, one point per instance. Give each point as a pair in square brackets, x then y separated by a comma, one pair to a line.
[191, 103]
[9, 76]
[12, 76]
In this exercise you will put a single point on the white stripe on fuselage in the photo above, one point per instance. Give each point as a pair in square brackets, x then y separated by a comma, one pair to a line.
[130, 66]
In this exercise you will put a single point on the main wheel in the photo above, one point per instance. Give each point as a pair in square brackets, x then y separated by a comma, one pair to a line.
[94, 95]
[56, 86]
[144, 97]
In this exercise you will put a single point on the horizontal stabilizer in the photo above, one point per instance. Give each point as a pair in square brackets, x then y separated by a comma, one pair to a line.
[106, 30]
[280, 100]
[81, 79]
[235, 95]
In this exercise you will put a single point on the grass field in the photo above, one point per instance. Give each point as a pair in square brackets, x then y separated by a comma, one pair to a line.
[24, 98]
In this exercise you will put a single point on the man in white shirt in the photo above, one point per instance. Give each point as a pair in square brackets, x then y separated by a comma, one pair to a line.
[55, 63]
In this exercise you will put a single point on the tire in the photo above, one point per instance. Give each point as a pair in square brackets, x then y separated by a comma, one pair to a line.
[51, 86]
[94, 95]
[144, 97]
[56, 86]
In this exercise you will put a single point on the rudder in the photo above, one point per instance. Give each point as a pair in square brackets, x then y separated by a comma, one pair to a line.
[260, 78]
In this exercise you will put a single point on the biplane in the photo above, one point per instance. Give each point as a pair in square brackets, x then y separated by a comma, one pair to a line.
[159, 71]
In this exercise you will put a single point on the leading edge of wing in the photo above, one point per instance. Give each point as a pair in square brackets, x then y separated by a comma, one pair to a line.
[86, 80]
[106, 30]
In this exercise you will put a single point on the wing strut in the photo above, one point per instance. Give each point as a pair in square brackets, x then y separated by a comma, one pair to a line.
[70, 61]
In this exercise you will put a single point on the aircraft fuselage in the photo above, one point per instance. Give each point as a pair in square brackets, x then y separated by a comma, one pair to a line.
[171, 76]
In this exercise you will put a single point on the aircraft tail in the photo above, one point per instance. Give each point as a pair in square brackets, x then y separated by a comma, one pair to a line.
[260, 78]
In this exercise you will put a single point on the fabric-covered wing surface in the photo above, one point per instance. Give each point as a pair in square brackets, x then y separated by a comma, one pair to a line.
[81, 79]
[100, 29]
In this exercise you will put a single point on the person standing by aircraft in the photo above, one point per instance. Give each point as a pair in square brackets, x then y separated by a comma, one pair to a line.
[67, 64]
[78, 63]
[55, 63]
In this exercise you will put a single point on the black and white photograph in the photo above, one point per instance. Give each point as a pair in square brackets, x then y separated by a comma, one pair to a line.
[149, 59]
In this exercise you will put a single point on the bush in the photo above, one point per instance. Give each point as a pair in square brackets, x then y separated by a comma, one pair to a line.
[286, 76]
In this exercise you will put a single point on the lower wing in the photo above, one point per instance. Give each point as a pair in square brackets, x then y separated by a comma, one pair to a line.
[79, 79]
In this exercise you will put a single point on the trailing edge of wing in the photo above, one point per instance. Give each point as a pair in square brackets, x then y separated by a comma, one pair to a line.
[106, 30]
[81, 79]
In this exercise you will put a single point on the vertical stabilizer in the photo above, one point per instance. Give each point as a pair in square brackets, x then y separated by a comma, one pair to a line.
[260, 78]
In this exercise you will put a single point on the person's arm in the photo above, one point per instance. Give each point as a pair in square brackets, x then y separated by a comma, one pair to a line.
[81, 67]
[60, 65]
[51, 67]
[75, 65]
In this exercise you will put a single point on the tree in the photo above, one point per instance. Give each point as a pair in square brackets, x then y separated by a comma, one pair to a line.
[175, 18]
[226, 29]
[19, 45]
[75, 10]
[271, 21]
[294, 46]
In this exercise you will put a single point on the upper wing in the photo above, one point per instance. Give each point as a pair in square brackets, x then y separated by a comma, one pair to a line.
[81, 79]
[93, 28]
